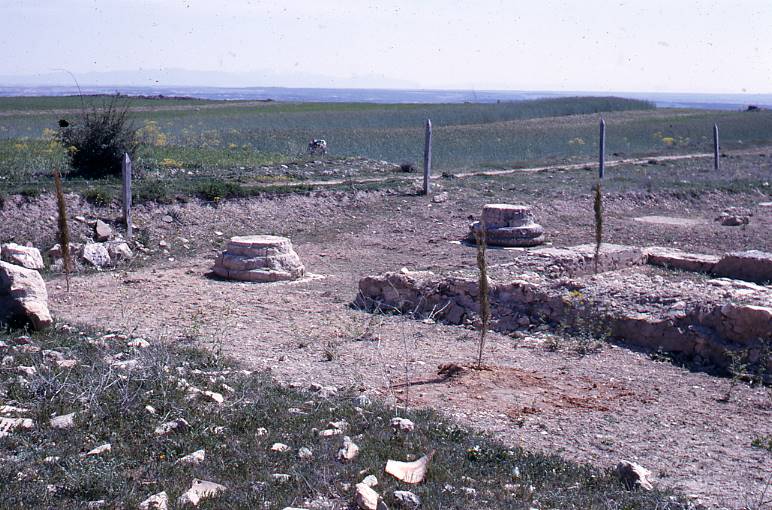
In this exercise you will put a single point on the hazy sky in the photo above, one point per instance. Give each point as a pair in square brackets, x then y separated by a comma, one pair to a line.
[593, 45]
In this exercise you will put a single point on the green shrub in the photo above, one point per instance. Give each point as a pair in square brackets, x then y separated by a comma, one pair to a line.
[215, 190]
[97, 142]
[98, 195]
[152, 190]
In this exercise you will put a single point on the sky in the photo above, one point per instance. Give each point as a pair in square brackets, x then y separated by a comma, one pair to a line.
[582, 45]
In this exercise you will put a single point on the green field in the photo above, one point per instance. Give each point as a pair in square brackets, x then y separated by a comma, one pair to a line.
[212, 139]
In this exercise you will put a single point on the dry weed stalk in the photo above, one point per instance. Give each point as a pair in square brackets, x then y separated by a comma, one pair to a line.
[64, 231]
[485, 307]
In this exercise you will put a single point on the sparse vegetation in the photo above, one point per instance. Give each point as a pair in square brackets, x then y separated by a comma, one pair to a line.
[98, 140]
[45, 467]
[485, 306]
[63, 230]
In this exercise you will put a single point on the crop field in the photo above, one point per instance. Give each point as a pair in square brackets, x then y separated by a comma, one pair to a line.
[210, 138]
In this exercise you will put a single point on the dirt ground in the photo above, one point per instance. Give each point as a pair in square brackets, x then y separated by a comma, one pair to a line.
[602, 407]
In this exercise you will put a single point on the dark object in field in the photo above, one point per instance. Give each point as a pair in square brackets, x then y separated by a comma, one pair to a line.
[449, 370]
[752, 108]
[317, 146]
[63, 123]
[408, 167]
[97, 142]
[447, 175]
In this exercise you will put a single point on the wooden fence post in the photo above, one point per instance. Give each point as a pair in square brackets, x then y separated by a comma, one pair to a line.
[602, 149]
[715, 147]
[427, 157]
[126, 194]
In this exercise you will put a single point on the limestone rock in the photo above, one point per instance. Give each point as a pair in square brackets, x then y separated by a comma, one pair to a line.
[370, 481]
[280, 447]
[196, 457]
[367, 499]
[102, 231]
[64, 421]
[677, 259]
[409, 472]
[96, 254]
[407, 499]
[507, 225]
[634, 475]
[119, 250]
[440, 197]
[23, 296]
[402, 425]
[158, 501]
[11, 424]
[99, 450]
[349, 451]
[259, 258]
[200, 489]
[25, 256]
[753, 265]
[305, 453]
[178, 425]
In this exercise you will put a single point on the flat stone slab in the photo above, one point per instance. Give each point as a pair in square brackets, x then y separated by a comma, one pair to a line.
[753, 265]
[580, 259]
[673, 221]
[676, 259]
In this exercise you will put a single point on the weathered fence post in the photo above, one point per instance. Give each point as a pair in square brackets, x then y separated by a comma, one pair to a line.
[715, 147]
[427, 157]
[126, 194]
[602, 149]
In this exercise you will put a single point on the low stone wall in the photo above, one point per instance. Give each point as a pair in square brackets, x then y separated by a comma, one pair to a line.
[709, 319]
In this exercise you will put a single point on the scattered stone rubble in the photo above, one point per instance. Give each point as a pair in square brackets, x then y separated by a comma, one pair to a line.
[705, 319]
[507, 225]
[259, 258]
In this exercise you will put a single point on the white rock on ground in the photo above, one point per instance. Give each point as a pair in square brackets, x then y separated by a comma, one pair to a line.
[11, 424]
[102, 231]
[158, 501]
[64, 421]
[305, 453]
[96, 254]
[367, 499]
[280, 447]
[23, 296]
[25, 256]
[402, 425]
[634, 475]
[196, 457]
[99, 450]
[348, 451]
[370, 481]
[407, 499]
[119, 250]
[178, 425]
[200, 489]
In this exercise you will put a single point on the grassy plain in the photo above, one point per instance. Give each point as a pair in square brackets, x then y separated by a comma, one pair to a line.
[187, 141]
